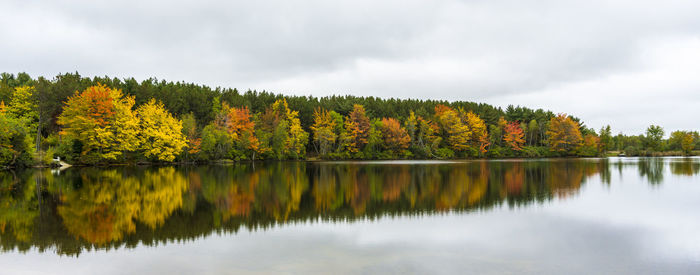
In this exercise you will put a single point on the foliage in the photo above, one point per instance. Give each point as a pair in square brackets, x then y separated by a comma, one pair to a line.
[101, 120]
[189, 130]
[160, 133]
[324, 131]
[685, 141]
[98, 125]
[563, 134]
[452, 129]
[590, 146]
[23, 105]
[216, 143]
[357, 126]
[395, 137]
[514, 136]
[654, 136]
[15, 141]
[606, 141]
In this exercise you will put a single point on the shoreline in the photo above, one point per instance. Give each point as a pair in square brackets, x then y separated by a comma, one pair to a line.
[316, 160]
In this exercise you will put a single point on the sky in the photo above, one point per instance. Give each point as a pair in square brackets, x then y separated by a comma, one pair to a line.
[628, 64]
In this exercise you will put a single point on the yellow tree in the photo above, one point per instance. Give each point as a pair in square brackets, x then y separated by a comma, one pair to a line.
[295, 143]
[455, 132]
[15, 142]
[23, 105]
[514, 136]
[564, 134]
[161, 134]
[590, 145]
[298, 138]
[687, 143]
[323, 128]
[479, 136]
[102, 121]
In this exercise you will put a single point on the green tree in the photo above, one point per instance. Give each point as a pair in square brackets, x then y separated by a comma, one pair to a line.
[654, 137]
[606, 141]
[15, 141]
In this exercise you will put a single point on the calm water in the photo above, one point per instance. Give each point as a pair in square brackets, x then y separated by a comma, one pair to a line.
[587, 216]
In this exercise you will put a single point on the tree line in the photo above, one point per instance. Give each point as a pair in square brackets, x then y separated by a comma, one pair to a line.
[104, 120]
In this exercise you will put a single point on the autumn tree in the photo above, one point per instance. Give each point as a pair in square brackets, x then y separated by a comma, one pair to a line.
[231, 135]
[688, 143]
[241, 129]
[324, 131]
[281, 133]
[189, 129]
[479, 137]
[454, 132]
[100, 123]
[683, 141]
[422, 132]
[590, 146]
[463, 131]
[396, 138]
[563, 134]
[357, 127]
[160, 133]
[514, 136]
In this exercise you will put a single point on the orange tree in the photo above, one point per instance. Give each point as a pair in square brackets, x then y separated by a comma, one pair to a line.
[514, 136]
[563, 134]
[99, 124]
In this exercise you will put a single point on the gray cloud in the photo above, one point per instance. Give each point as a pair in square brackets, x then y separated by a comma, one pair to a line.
[624, 56]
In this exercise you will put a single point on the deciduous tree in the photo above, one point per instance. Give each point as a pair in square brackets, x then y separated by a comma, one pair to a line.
[324, 131]
[395, 137]
[160, 133]
[564, 134]
[101, 120]
[514, 136]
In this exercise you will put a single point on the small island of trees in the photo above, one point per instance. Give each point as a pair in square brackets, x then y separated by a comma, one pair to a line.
[101, 120]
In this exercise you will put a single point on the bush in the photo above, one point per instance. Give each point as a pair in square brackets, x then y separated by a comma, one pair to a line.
[444, 153]
[495, 152]
[632, 151]
[69, 150]
[45, 158]
[532, 152]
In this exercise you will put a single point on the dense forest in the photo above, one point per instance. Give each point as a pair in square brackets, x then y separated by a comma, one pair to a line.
[102, 120]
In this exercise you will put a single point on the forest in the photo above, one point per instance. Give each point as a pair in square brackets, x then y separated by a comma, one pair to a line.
[102, 121]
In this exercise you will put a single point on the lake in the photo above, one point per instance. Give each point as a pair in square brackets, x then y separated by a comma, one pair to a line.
[559, 216]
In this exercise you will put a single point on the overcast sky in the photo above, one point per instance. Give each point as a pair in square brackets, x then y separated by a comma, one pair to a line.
[624, 63]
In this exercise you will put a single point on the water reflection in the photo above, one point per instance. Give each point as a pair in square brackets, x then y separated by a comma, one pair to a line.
[92, 208]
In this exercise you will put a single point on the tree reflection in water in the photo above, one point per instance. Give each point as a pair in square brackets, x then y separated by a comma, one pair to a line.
[105, 208]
